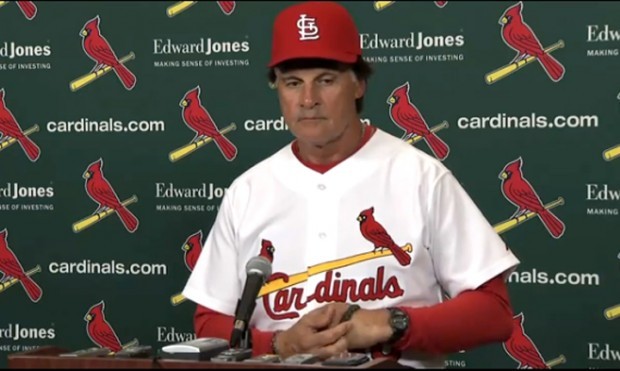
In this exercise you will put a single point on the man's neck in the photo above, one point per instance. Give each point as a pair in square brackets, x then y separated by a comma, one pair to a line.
[335, 151]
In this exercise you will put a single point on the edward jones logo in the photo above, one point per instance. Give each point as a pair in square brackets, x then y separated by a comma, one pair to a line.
[98, 49]
[99, 189]
[522, 349]
[605, 37]
[406, 116]
[28, 8]
[206, 191]
[13, 271]
[411, 47]
[520, 37]
[227, 7]
[518, 191]
[198, 120]
[101, 332]
[193, 52]
[18, 192]
[12, 132]
[597, 194]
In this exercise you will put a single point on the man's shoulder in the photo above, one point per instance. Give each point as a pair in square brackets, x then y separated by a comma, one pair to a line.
[405, 154]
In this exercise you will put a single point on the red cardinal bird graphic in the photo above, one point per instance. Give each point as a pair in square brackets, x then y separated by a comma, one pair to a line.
[267, 250]
[440, 4]
[9, 128]
[375, 233]
[198, 119]
[99, 330]
[98, 49]
[28, 8]
[192, 248]
[520, 37]
[406, 116]
[520, 193]
[227, 6]
[521, 348]
[12, 268]
[100, 191]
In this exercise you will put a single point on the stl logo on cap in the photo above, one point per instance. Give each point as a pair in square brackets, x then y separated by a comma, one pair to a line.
[307, 28]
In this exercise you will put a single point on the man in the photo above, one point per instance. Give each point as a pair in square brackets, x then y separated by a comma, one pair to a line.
[368, 236]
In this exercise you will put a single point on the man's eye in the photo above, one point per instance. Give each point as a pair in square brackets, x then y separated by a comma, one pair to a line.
[326, 81]
[292, 84]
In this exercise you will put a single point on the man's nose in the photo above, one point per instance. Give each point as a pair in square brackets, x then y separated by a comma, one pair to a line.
[309, 96]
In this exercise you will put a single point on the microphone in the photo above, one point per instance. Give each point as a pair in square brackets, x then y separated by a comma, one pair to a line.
[257, 269]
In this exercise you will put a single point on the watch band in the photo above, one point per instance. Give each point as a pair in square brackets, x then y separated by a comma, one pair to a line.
[399, 321]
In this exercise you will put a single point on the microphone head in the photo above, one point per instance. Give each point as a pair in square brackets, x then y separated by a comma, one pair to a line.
[258, 265]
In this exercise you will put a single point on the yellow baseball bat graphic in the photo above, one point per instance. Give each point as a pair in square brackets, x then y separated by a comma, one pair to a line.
[280, 284]
[90, 220]
[416, 138]
[504, 71]
[82, 81]
[187, 149]
[380, 5]
[179, 7]
[177, 299]
[13, 280]
[612, 312]
[611, 153]
[556, 361]
[12, 140]
[511, 223]
[3, 3]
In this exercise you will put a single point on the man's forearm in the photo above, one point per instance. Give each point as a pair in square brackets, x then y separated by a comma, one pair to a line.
[471, 319]
[209, 323]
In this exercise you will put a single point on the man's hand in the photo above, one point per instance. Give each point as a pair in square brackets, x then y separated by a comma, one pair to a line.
[313, 334]
[369, 326]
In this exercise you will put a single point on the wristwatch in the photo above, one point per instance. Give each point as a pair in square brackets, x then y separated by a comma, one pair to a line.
[399, 321]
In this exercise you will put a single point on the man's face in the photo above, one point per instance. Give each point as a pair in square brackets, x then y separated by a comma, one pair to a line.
[317, 103]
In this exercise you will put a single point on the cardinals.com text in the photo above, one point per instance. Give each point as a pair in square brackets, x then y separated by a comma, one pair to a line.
[87, 266]
[561, 278]
[110, 125]
[532, 121]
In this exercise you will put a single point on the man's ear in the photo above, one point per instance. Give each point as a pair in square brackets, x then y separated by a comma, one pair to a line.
[360, 88]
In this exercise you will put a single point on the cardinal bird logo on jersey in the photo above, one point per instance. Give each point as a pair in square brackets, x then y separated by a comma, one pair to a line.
[99, 50]
[407, 117]
[192, 248]
[197, 118]
[10, 129]
[521, 348]
[520, 193]
[99, 330]
[267, 250]
[11, 268]
[520, 37]
[27, 7]
[99, 190]
[377, 235]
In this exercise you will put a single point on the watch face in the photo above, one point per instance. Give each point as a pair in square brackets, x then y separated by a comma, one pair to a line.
[399, 322]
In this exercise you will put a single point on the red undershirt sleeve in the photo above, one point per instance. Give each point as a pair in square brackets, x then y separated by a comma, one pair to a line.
[471, 319]
[209, 323]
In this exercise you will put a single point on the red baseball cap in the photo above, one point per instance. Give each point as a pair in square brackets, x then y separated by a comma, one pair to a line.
[315, 29]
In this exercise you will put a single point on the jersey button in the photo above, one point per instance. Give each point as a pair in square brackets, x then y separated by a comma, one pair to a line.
[322, 235]
[321, 187]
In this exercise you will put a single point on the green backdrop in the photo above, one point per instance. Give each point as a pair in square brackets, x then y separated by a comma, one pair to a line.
[566, 133]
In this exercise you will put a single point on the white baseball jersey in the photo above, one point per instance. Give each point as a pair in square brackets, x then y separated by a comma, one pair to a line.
[315, 223]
